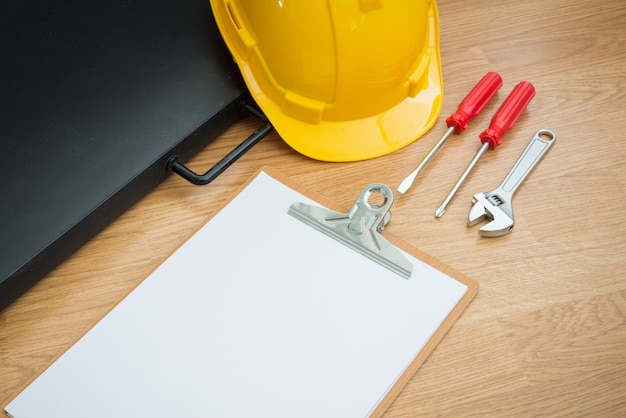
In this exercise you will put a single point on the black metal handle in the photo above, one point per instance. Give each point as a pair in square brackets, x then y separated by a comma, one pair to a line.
[201, 179]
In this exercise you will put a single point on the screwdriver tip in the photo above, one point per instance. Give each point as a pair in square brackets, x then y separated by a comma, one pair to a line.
[439, 212]
[406, 183]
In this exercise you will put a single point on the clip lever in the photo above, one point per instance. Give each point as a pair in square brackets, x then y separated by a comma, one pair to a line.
[359, 228]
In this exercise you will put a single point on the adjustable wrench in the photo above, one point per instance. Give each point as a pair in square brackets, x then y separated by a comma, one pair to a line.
[495, 206]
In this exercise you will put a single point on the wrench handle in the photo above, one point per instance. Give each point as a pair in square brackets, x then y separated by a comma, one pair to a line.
[535, 150]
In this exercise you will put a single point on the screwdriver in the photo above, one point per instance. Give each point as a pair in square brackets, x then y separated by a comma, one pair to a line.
[504, 118]
[471, 106]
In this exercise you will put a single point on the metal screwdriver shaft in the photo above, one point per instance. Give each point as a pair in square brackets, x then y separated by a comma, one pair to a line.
[471, 106]
[408, 181]
[460, 181]
[504, 118]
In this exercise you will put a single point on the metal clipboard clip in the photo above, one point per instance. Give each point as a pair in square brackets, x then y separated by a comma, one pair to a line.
[359, 228]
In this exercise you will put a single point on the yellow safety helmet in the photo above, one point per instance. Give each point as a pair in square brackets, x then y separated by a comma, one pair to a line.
[340, 80]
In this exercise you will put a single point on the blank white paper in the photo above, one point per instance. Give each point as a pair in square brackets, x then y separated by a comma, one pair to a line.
[257, 314]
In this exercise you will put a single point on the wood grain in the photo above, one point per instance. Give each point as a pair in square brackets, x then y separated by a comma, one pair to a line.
[546, 335]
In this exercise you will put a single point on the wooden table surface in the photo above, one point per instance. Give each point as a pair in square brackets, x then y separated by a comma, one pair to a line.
[546, 335]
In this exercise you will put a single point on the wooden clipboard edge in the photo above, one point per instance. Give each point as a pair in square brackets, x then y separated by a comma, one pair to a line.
[446, 325]
[472, 290]
[472, 287]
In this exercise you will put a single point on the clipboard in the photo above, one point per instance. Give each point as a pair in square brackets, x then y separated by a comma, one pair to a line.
[257, 314]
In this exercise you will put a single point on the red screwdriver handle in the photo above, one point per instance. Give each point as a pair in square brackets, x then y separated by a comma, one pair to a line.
[508, 113]
[475, 101]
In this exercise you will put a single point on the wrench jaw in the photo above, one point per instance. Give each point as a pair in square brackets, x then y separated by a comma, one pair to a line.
[501, 223]
[498, 227]
[478, 212]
